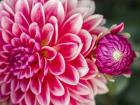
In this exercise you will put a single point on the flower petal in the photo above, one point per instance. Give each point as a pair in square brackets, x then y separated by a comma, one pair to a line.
[35, 85]
[73, 24]
[44, 97]
[21, 19]
[81, 66]
[6, 23]
[47, 33]
[61, 100]
[37, 14]
[30, 98]
[69, 50]
[54, 8]
[24, 84]
[55, 67]
[92, 22]
[56, 88]
[22, 6]
[17, 96]
[80, 89]
[86, 40]
[48, 52]
[70, 76]
[6, 36]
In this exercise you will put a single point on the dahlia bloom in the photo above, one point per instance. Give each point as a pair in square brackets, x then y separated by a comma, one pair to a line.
[114, 54]
[44, 48]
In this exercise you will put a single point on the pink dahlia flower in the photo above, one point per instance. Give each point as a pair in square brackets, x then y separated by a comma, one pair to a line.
[114, 53]
[43, 50]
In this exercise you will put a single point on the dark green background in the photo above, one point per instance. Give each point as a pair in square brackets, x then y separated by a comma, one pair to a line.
[125, 91]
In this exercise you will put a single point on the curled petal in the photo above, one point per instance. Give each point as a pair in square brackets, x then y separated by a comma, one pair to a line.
[17, 96]
[54, 8]
[80, 89]
[6, 23]
[92, 22]
[73, 24]
[71, 4]
[35, 86]
[24, 84]
[69, 50]
[81, 66]
[55, 67]
[56, 87]
[34, 30]
[49, 52]
[86, 40]
[44, 97]
[30, 98]
[37, 14]
[6, 36]
[21, 19]
[92, 70]
[88, 4]
[61, 100]
[47, 33]
[118, 28]
[70, 76]
[22, 6]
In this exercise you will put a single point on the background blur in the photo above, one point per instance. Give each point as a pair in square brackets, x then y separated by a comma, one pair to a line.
[125, 91]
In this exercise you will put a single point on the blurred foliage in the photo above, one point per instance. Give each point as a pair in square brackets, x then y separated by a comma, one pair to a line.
[124, 91]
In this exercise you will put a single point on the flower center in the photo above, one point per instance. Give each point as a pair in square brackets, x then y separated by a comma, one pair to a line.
[117, 55]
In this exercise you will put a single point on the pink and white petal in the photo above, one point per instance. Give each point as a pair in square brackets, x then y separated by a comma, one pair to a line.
[6, 23]
[82, 10]
[81, 66]
[4, 13]
[16, 30]
[99, 29]
[24, 38]
[61, 100]
[53, 20]
[5, 89]
[37, 14]
[69, 50]
[6, 36]
[22, 6]
[70, 76]
[21, 20]
[54, 8]
[48, 52]
[73, 24]
[99, 83]
[17, 96]
[55, 67]
[71, 4]
[15, 42]
[35, 86]
[30, 98]
[14, 84]
[93, 71]
[68, 37]
[47, 33]
[34, 30]
[80, 88]
[92, 22]
[8, 8]
[89, 4]
[86, 40]
[24, 84]
[44, 97]
[56, 87]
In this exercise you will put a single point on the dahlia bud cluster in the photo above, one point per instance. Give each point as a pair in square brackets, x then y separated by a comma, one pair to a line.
[58, 52]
